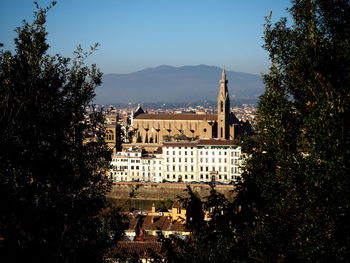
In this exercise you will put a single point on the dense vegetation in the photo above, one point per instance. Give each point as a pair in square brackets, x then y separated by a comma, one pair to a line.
[52, 183]
[291, 206]
[293, 203]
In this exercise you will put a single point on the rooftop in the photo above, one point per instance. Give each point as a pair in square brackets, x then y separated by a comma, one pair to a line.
[181, 116]
[211, 142]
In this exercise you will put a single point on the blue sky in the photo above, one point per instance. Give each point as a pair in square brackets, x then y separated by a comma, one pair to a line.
[136, 34]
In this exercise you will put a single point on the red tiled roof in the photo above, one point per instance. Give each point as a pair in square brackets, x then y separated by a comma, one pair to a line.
[136, 249]
[182, 116]
[217, 142]
[162, 223]
[180, 144]
[212, 142]
[132, 222]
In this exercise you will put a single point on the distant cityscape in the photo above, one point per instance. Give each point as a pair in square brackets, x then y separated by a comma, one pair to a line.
[242, 111]
[178, 142]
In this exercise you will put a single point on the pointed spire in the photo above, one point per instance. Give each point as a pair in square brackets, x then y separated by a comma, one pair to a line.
[223, 74]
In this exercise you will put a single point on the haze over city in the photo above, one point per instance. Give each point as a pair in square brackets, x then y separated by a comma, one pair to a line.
[135, 35]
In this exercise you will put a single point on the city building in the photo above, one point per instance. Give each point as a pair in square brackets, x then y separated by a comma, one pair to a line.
[151, 130]
[210, 160]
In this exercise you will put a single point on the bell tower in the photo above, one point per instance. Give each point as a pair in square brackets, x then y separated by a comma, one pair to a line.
[223, 109]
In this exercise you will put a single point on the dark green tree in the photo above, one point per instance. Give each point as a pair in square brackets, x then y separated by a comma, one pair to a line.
[52, 181]
[294, 200]
[212, 240]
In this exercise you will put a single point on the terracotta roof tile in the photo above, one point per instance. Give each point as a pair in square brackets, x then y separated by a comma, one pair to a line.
[162, 223]
[136, 249]
[180, 144]
[182, 116]
[201, 142]
[217, 142]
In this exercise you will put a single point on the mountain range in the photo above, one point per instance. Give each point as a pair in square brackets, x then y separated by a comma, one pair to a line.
[177, 84]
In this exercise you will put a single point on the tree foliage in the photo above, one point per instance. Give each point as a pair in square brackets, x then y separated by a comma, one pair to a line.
[293, 202]
[295, 194]
[52, 182]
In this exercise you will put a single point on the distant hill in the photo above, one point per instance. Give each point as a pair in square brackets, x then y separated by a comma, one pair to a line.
[176, 84]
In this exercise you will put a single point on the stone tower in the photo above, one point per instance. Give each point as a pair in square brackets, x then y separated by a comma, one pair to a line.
[223, 109]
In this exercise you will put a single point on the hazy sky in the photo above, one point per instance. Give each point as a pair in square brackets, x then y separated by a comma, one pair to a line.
[135, 34]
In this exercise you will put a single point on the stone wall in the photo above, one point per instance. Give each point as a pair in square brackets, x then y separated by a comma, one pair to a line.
[161, 191]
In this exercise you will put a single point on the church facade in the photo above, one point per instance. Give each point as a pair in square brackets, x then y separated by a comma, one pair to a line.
[156, 129]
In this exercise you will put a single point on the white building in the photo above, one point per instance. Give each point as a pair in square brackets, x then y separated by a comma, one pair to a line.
[126, 166]
[197, 161]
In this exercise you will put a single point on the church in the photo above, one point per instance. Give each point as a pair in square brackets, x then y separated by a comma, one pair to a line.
[156, 129]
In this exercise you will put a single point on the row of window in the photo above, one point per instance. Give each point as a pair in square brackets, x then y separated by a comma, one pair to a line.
[206, 160]
[180, 153]
[180, 159]
[185, 177]
[206, 168]
[190, 168]
[233, 154]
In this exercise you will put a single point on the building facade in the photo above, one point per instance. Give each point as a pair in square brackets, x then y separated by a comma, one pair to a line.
[156, 129]
[197, 161]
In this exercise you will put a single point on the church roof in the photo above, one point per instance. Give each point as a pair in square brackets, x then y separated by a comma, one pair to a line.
[138, 111]
[182, 116]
